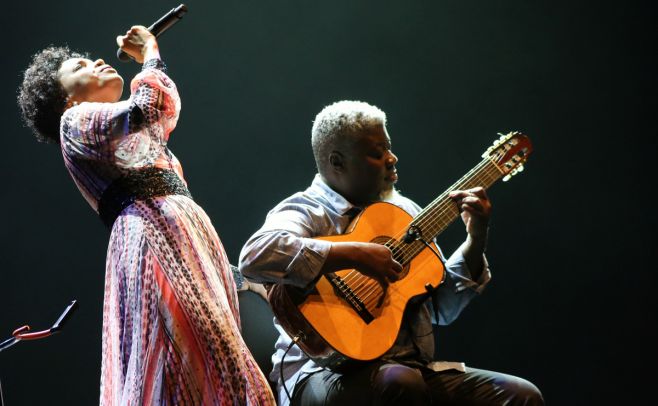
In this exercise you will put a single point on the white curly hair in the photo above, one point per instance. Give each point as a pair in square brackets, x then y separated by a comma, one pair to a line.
[339, 121]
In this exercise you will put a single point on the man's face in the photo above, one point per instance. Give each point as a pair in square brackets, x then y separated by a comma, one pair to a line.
[369, 167]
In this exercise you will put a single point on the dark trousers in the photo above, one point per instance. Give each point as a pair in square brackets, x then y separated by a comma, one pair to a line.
[395, 384]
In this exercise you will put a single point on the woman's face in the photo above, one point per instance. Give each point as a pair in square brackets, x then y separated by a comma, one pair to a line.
[85, 80]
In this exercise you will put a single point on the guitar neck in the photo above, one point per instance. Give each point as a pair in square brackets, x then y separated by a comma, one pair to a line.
[439, 214]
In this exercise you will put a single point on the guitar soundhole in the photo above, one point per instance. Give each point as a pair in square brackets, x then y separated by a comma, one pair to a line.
[398, 252]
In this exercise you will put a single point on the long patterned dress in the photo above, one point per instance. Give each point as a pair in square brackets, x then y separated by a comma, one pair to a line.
[171, 332]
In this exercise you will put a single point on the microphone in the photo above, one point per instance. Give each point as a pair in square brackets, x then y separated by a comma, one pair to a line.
[159, 27]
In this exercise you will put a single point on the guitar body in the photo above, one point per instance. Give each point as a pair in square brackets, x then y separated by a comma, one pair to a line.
[331, 328]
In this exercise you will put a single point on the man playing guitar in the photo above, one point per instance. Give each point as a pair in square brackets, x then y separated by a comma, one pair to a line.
[356, 168]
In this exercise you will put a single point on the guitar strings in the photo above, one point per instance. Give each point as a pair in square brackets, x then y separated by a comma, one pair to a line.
[364, 287]
[443, 205]
[367, 286]
[432, 225]
[435, 213]
[446, 206]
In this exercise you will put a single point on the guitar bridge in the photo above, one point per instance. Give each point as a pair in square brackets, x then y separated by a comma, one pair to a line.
[344, 291]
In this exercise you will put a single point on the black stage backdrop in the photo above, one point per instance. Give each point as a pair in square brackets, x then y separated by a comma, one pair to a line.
[571, 306]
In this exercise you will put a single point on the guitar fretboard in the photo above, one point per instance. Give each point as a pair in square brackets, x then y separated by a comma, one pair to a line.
[439, 214]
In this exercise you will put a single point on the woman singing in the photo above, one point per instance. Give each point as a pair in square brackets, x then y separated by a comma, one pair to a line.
[171, 331]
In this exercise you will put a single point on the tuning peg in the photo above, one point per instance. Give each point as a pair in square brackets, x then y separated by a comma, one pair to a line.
[520, 168]
[507, 177]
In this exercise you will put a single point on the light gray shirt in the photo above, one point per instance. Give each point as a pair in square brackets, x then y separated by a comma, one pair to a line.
[284, 251]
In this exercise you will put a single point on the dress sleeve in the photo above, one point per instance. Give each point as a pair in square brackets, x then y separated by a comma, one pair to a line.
[131, 132]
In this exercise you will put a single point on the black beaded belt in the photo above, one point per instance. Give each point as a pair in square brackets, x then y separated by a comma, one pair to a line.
[138, 185]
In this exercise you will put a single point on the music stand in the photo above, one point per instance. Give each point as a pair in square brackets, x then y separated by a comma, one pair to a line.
[22, 333]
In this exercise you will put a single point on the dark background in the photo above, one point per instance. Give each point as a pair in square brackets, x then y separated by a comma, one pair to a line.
[572, 304]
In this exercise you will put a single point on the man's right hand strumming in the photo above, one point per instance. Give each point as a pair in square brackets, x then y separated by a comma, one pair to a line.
[372, 260]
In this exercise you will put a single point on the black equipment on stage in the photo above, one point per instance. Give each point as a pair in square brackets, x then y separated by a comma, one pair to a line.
[23, 333]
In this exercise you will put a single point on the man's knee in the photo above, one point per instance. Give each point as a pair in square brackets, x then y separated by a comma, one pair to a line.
[395, 384]
[523, 392]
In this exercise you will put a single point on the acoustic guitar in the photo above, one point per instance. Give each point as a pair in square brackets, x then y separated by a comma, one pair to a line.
[348, 316]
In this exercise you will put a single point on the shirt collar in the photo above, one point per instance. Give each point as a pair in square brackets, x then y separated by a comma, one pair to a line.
[339, 203]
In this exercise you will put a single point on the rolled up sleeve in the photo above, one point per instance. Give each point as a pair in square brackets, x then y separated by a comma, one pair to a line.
[459, 288]
[283, 250]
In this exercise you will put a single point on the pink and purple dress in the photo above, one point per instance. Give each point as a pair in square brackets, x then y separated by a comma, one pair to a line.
[171, 328]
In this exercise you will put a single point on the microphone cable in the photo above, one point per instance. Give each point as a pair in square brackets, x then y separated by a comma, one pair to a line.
[300, 336]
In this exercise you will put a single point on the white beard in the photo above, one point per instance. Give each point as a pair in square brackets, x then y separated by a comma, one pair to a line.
[388, 195]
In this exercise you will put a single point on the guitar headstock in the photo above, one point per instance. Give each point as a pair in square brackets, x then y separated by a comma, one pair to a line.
[509, 153]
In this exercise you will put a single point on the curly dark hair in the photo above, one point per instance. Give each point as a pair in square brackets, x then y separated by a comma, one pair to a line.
[41, 97]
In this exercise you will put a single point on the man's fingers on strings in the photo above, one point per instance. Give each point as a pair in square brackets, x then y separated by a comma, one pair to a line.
[479, 192]
[383, 296]
[383, 283]
[397, 268]
[472, 204]
[392, 275]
